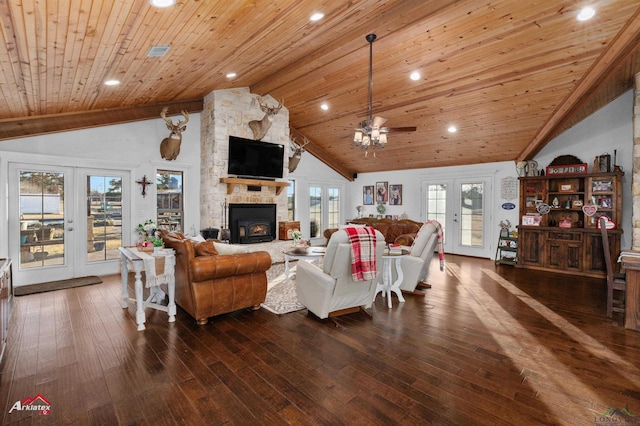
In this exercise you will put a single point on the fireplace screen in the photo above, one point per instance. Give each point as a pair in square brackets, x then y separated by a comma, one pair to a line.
[252, 223]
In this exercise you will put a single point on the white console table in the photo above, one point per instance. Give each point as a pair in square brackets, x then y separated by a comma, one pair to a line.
[132, 258]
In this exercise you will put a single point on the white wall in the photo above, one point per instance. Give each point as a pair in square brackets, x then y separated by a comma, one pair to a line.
[413, 201]
[135, 147]
[605, 131]
[310, 170]
[132, 146]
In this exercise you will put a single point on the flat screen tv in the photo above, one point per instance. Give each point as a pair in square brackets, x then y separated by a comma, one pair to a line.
[255, 159]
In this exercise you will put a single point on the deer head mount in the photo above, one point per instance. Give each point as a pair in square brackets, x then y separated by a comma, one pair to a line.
[298, 149]
[261, 127]
[170, 147]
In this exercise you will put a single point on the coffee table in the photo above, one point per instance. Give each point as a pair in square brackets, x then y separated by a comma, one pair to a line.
[313, 253]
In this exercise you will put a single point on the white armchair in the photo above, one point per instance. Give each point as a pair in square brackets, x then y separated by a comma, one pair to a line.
[415, 266]
[330, 291]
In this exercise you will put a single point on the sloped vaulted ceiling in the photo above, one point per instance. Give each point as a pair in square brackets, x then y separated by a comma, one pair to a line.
[509, 74]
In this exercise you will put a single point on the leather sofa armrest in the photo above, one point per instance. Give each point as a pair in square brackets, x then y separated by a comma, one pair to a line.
[405, 239]
[203, 268]
[329, 232]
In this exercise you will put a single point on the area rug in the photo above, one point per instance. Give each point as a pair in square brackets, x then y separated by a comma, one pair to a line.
[55, 285]
[281, 295]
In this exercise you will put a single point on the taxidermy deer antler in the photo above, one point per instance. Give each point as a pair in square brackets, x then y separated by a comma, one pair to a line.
[298, 149]
[170, 147]
[261, 127]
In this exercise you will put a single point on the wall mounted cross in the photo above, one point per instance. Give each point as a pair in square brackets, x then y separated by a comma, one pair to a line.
[144, 182]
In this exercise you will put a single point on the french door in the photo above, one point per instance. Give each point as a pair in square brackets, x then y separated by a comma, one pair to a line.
[64, 222]
[462, 208]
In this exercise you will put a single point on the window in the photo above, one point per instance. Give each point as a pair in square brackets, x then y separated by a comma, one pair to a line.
[170, 200]
[437, 203]
[334, 208]
[291, 200]
[324, 208]
[315, 211]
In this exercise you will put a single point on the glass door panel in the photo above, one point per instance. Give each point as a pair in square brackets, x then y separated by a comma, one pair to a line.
[459, 206]
[471, 214]
[42, 218]
[104, 217]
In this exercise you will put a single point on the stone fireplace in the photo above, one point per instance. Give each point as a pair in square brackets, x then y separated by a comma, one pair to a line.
[228, 112]
[252, 223]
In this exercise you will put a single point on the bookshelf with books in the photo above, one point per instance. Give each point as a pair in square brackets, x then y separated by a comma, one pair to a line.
[559, 214]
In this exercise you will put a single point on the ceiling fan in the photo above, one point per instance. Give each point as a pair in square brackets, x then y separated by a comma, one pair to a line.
[371, 132]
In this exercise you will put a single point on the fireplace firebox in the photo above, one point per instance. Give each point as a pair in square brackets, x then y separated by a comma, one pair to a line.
[252, 223]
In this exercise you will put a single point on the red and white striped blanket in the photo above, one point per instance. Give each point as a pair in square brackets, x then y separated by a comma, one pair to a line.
[440, 245]
[363, 250]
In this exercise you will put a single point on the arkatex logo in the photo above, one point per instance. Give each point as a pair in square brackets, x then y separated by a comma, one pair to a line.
[37, 403]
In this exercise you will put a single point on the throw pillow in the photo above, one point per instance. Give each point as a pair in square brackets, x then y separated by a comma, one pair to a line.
[197, 238]
[229, 248]
[205, 248]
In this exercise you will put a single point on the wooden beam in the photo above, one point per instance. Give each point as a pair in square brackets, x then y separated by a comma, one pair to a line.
[12, 128]
[323, 156]
[624, 44]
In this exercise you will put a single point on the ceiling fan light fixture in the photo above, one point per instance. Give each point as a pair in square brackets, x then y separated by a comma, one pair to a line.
[357, 138]
[383, 140]
[375, 135]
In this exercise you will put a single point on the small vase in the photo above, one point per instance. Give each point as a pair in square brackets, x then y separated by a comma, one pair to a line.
[157, 250]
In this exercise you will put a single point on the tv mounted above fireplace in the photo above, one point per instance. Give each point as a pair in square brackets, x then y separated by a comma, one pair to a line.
[253, 159]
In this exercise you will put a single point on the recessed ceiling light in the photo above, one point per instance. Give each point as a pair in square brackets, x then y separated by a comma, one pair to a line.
[162, 3]
[112, 82]
[316, 16]
[586, 14]
[324, 107]
[415, 76]
[231, 75]
[452, 129]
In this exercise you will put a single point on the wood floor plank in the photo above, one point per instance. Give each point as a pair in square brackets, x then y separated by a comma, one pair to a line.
[486, 345]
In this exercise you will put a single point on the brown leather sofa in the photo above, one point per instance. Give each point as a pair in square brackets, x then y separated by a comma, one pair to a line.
[401, 232]
[209, 284]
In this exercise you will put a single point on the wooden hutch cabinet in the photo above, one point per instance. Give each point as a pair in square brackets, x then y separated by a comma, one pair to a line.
[556, 233]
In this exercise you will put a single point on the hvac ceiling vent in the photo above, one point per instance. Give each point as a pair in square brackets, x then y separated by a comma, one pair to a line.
[156, 51]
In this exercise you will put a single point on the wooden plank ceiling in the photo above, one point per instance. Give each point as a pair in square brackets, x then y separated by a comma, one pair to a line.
[509, 74]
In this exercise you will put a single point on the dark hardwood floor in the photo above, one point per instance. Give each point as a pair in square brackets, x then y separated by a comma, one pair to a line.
[488, 345]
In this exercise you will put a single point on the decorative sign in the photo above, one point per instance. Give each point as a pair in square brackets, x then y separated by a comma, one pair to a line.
[543, 208]
[569, 169]
[590, 209]
[508, 187]
[508, 206]
[610, 224]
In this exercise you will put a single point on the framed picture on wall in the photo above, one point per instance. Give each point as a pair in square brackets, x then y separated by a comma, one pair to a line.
[367, 195]
[382, 192]
[395, 195]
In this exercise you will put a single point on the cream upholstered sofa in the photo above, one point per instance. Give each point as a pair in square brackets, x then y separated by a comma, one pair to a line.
[330, 291]
[415, 266]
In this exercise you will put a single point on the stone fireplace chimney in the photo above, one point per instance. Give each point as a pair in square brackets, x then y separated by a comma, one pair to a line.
[228, 112]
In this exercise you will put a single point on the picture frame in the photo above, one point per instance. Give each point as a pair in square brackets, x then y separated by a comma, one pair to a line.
[395, 195]
[382, 192]
[368, 195]
[605, 203]
[601, 185]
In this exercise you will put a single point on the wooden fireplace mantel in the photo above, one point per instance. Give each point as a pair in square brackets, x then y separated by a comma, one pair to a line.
[232, 182]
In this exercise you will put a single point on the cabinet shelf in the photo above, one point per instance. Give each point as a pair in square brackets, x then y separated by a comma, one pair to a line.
[232, 182]
[576, 249]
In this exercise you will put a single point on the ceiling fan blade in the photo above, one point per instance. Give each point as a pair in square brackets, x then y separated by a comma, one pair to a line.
[403, 129]
[378, 121]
